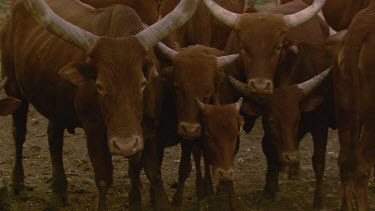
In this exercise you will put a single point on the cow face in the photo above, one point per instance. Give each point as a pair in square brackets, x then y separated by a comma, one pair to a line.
[221, 137]
[261, 45]
[119, 84]
[194, 72]
[261, 36]
[120, 67]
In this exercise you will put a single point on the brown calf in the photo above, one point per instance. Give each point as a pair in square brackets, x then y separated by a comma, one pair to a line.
[221, 127]
[354, 83]
[81, 67]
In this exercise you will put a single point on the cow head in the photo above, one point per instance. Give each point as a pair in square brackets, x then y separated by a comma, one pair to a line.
[261, 36]
[281, 115]
[194, 73]
[9, 104]
[117, 69]
[221, 130]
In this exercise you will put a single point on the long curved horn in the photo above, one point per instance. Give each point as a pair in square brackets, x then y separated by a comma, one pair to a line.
[158, 31]
[227, 17]
[167, 51]
[223, 61]
[239, 104]
[200, 104]
[239, 86]
[43, 14]
[308, 86]
[3, 82]
[296, 19]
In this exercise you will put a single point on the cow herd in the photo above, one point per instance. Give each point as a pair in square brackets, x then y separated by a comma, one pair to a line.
[142, 75]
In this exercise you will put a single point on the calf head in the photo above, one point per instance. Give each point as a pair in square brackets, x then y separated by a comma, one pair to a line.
[194, 75]
[261, 37]
[117, 69]
[221, 137]
[281, 115]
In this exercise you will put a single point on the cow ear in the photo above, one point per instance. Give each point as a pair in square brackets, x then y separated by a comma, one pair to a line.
[311, 103]
[78, 73]
[8, 105]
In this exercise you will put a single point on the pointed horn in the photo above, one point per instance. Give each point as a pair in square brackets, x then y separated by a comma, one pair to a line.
[167, 51]
[200, 104]
[239, 104]
[3, 82]
[43, 14]
[308, 86]
[296, 19]
[223, 61]
[160, 30]
[227, 17]
[239, 86]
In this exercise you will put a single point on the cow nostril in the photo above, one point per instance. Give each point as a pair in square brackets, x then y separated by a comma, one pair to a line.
[221, 173]
[184, 129]
[231, 173]
[197, 129]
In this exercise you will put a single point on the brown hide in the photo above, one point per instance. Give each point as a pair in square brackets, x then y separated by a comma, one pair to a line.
[221, 129]
[109, 88]
[262, 40]
[355, 105]
[203, 28]
[194, 75]
[339, 13]
[148, 10]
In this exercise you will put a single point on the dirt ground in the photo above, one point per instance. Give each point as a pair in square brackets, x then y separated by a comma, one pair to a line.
[250, 170]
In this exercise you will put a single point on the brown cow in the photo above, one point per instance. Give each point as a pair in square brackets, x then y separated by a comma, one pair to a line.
[193, 74]
[286, 122]
[105, 58]
[148, 10]
[221, 127]
[339, 13]
[259, 38]
[203, 28]
[355, 108]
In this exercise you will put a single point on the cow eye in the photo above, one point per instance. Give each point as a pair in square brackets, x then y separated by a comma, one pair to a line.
[100, 88]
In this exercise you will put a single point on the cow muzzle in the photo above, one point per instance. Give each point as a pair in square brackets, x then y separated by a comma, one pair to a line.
[189, 131]
[126, 147]
[224, 175]
[260, 86]
[290, 158]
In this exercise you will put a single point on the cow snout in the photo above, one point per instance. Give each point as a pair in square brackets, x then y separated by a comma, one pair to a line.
[225, 175]
[260, 86]
[189, 130]
[126, 147]
[290, 158]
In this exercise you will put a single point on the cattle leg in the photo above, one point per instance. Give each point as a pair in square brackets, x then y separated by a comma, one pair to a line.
[199, 185]
[19, 134]
[318, 160]
[184, 172]
[271, 189]
[153, 155]
[134, 171]
[101, 161]
[365, 159]
[59, 182]
[208, 186]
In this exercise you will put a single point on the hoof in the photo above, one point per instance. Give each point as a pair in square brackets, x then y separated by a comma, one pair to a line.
[16, 189]
[320, 208]
[135, 207]
[58, 200]
[268, 198]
